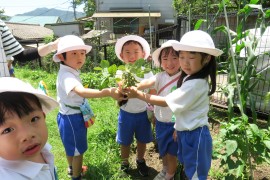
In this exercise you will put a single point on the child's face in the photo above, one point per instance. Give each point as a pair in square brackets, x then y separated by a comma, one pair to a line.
[131, 52]
[192, 62]
[74, 59]
[23, 138]
[170, 62]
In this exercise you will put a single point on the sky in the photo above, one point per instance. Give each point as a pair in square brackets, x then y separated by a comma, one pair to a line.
[13, 7]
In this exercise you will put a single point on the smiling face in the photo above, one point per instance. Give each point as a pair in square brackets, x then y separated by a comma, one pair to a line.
[74, 59]
[131, 52]
[192, 62]
[170, 61]
[23, 135]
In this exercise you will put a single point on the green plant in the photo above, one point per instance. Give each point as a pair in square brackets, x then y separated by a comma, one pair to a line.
[242, 145]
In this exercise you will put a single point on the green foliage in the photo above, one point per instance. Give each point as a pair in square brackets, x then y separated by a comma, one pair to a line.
[102, 77]
[236, 138]
[129, 70]
[242, 145]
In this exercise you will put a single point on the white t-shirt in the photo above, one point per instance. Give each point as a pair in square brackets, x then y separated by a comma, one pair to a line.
[164, 114]
[25, 170]
[135, 105]
[190, 104]
[67, 79]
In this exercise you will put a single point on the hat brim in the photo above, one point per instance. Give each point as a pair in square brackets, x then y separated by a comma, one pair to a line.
[120, 42]
[184, 47]
[71, 48]
[16, 85]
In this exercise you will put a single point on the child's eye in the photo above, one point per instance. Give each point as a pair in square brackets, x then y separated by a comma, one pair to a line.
[35, 119]
[7, 130]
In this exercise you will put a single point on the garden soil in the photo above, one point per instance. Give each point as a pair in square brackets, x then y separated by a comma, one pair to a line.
[153, 160]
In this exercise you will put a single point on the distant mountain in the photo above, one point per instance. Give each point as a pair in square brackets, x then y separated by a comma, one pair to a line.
[66, 16]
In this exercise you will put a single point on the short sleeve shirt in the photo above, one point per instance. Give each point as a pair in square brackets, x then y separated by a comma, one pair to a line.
[67, 79]
[164, 114]
[25, 170]
[190, 104]
[9, 47]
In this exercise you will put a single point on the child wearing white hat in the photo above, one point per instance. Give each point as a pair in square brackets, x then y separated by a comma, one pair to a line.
[75, 114]
[133, 117]
[24, 153]
[190, 101]
[164, 83]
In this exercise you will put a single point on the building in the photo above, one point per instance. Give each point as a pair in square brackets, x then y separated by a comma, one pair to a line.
[121, 17]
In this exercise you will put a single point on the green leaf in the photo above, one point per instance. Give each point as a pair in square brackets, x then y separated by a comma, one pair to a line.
[231, 146]
[104, 64]
[198, 23]
[254, 129]
[122, 67]
[267, 144]
[98, 68]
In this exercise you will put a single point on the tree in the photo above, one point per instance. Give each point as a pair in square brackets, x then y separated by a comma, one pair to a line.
[212, 6]
[2, 16]
[89, 8]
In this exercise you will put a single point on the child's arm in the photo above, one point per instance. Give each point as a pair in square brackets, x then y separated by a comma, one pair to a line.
[133, 92]
[95, 93]
[146, 83]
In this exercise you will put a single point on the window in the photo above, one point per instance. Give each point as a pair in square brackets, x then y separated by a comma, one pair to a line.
[126, 25]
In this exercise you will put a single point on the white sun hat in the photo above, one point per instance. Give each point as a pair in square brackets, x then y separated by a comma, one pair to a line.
[156, 53]
[11, 84]
[197, 41]
[120, 42]
[70, 43]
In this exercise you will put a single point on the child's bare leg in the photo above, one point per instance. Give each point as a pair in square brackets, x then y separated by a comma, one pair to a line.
[171, 164]
[141, 148]
[77, 165]
[69, 159]
[125, 153]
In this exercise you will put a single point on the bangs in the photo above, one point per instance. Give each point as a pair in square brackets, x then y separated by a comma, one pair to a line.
[17, 102]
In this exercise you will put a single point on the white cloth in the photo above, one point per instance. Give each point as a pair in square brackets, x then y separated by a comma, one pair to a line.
[135, 105]
[67, 79]
[190, 104]
[26, 170]
[164, 114]
[9, 46]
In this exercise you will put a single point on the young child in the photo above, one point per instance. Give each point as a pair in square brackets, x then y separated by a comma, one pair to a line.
[71, 96]
[165, 82]
[133, 117]
[190, 101]
[24, 152]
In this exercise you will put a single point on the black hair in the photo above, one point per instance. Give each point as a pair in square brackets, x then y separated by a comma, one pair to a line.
[208, 70]
[167, 51]
[64, 56]
[131, 41]
[19, 103]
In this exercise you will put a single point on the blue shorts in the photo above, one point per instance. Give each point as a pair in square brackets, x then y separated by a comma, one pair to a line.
[164, 135]
[73, 133]
[195, 152]
[133, 123]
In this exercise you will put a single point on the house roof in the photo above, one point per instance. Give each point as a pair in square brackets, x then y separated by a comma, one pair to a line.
[41, 20]
[28, 31]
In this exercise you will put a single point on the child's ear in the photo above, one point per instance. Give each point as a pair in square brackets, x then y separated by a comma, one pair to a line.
[121, 55]
[61, 57]
[206, 60]
[143, 54]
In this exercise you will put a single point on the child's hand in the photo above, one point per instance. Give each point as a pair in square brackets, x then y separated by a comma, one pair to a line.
[117, 94]
[131, 92]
